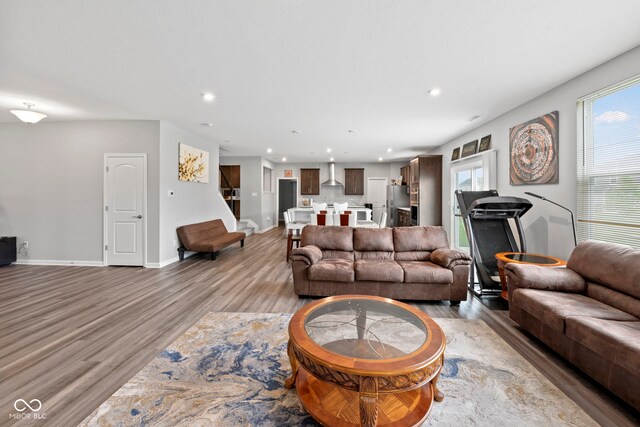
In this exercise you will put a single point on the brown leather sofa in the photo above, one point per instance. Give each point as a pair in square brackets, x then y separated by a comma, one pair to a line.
[588, 312]
[412, 263]
[209, 236]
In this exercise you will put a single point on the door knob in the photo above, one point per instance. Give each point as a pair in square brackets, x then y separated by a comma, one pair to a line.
[137, 216]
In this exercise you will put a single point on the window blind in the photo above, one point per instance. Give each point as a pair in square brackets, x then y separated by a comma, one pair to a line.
[609, 164]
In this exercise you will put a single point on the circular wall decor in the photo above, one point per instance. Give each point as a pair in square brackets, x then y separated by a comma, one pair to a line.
[533, 151]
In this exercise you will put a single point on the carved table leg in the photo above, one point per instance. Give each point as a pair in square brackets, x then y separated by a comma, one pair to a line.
[368, 401]
[291, 381]
[438, 396]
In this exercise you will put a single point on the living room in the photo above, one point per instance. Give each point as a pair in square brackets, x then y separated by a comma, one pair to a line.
[348, 93]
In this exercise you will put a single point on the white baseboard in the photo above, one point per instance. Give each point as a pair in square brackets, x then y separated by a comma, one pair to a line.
[60, 262]
[169, 261]
[264, 230]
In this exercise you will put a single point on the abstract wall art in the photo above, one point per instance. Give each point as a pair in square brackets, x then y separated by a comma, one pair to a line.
[533, 151]
[193, 165]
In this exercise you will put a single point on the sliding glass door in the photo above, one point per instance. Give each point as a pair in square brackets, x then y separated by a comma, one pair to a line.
[466, 177]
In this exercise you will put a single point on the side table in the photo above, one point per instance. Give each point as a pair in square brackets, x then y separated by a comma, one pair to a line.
[523, 258]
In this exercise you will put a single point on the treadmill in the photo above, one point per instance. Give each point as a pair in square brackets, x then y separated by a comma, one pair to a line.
[486, 218]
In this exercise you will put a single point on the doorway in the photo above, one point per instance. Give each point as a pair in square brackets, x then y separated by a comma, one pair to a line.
[287, 196]
[377, 196]
[125, 206]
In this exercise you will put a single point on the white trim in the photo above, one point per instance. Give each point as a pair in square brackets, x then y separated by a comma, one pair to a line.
[144, 206]
[251, 223]
[271, 227]
[68, 263]
[278, 179]
[472, 157]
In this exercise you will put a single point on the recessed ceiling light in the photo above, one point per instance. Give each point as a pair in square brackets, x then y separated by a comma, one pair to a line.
[208, 96]
[269, 150]
[295, 131]
[388, 150]
[284, 159]
[328, 150]
[379, 159]
[207, 124]
[435, 91]
[331, 159]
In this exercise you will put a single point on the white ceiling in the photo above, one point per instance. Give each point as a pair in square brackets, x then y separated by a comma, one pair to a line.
[320, 67]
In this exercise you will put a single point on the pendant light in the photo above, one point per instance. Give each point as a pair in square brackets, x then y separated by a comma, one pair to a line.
[28, 116]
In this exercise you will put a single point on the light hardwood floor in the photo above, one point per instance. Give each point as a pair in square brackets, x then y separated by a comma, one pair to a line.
[71, 336]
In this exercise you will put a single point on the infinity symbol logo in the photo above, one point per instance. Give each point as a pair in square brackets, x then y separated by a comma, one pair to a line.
[26, 405]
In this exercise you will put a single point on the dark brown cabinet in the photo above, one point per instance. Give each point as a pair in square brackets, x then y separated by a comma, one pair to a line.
[309, 182]
[230, 176]
[405, 172]
[354, 181]
[404, 218]
[426, 189]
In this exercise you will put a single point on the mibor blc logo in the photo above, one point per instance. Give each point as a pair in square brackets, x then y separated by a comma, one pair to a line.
[27, 410]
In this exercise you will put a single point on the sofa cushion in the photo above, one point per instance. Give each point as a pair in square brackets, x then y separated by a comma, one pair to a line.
[610, 264]
[379, 271]
[328, 238]
[553, 308]
[425, 272]
[332, 269]
[428, 238]
[612, 339]
[372, 255]
[201, 232]
[614, 298]
[373, 239]
[214, 244]
[413, 256]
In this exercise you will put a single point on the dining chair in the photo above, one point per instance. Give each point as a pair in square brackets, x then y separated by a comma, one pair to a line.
[344, 220]
[383, 220]
[321, 219]
[317, 207]
[340, 207]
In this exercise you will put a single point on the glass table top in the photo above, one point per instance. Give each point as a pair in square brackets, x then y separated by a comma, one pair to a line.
[366, 329]
[531, 258]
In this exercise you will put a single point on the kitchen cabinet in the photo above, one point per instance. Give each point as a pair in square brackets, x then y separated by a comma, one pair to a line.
[404, 218]
[354, 181]
[230, 176]
[426, 189]
[405, 172]
[309, 182]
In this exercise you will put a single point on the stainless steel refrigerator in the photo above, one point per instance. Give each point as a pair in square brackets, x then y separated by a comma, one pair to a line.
[397, 197]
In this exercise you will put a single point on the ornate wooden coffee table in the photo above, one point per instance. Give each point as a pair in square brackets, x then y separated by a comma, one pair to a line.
[362, 360]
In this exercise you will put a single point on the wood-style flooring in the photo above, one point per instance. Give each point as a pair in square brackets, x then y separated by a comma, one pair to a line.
[71, 336]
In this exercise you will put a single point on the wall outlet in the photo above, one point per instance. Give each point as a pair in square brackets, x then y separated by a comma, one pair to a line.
[268, 219]
[26, 244]
[254, 194]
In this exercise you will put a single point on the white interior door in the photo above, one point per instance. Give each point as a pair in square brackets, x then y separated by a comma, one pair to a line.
[125, 209]
[377, 196]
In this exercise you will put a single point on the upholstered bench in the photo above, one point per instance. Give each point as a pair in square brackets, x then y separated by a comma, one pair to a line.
[208, 236]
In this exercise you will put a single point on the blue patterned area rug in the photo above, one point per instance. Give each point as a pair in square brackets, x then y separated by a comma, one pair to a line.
[229, 369]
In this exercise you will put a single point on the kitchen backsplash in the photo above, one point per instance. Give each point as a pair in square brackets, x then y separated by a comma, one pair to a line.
[335, 195]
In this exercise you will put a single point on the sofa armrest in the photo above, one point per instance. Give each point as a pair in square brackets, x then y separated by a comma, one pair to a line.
[543, 278]
[309, 254]
[449, 258]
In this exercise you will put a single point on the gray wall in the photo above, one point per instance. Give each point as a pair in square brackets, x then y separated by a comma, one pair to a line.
[547, 227]
[192, 202]
[51, 184]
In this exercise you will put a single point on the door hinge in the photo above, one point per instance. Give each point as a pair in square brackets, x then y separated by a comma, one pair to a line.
[105, 247]
[106, 208]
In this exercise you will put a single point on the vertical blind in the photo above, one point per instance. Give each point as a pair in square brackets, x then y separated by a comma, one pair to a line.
[609, 164]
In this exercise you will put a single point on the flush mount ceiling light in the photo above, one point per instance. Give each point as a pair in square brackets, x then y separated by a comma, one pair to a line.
[269, 150]
[27, 115]
[328, 150]
[388, 150]
[379, 159]
[331, 159]
[435, 91]
[208, 97]
[284, 159]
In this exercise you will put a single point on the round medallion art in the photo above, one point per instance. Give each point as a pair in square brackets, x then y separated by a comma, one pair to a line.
[533, 149]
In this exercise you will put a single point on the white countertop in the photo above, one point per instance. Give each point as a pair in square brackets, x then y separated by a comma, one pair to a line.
[404, 209]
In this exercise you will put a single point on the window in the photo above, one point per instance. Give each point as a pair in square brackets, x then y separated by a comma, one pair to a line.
[266, 180]
[609, 164]
[473, 175]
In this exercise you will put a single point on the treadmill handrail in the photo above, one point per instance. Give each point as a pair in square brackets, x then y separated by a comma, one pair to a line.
[502, 202]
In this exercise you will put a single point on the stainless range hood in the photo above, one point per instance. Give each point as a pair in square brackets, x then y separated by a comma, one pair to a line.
[331, 182]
